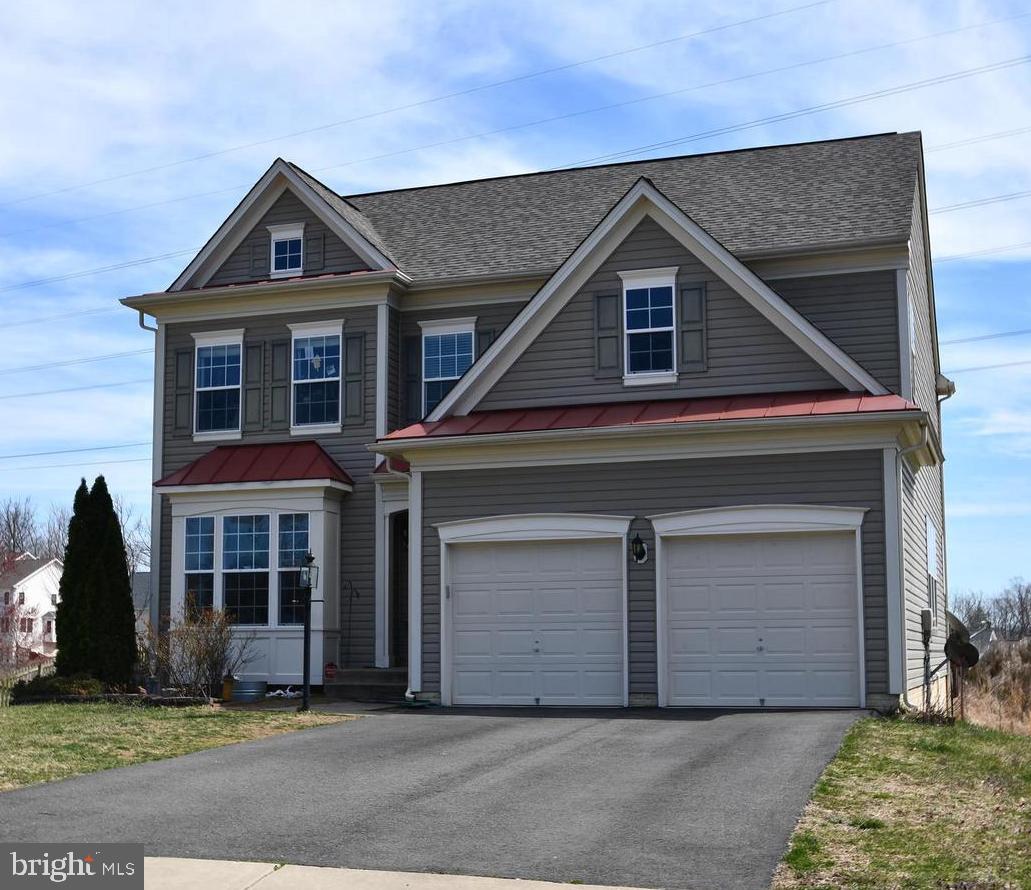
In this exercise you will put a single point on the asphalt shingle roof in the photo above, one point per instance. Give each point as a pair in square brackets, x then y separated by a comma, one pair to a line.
[777, 199]
[13, 571]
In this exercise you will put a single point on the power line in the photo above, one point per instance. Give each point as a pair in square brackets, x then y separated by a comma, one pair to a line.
[802, 112]
[61, 317]
[429, 101]
[981, 202]
[97, 463]
[52, 392]
[996, 336]
[990, 367]
[73, 450]
[75, 361]
[533, 123]
[985, 252]
[114, 267]
[973, 140]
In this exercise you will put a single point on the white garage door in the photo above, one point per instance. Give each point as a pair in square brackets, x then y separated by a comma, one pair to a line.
[762, 620]
[537, 622]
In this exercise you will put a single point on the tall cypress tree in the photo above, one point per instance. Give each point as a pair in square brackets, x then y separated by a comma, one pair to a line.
[72, 627]
[112, 640]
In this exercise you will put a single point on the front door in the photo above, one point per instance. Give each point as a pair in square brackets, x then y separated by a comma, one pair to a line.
[399, 589]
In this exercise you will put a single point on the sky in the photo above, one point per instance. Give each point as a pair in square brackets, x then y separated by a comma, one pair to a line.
[132, 130]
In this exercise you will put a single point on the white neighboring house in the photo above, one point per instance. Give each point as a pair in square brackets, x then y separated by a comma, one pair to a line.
[28, 607]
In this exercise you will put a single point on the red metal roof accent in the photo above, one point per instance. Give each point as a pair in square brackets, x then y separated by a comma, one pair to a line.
[391, 464]
[622, 414]
[279, 462]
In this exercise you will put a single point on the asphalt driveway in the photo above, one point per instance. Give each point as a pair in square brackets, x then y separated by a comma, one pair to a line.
[646, 799]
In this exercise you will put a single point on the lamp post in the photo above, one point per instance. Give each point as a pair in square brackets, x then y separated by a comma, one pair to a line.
[307, 581]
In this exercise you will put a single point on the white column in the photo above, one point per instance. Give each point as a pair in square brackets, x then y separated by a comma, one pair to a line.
[415, 582]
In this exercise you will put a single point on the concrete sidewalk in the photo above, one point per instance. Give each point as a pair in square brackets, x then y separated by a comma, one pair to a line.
[161, 873]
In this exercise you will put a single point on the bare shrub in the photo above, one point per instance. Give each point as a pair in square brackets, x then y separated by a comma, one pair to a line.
[194, 656]
[1001, 683]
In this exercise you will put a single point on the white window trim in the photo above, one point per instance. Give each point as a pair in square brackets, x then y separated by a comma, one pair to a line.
[281, 568]
[752, 519]
[639, 278]
[285, 232]
[213, 569]
[519, 527]
[334, 328]
[217, 338]
[434, 329]
[316, 526]
[222, 571]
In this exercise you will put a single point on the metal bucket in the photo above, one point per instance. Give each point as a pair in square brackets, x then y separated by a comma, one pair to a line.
[249, 690]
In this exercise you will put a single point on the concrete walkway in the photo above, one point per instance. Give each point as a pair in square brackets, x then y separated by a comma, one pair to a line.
[162, 873]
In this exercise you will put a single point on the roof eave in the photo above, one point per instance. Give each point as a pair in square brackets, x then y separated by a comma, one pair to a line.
[394, 447]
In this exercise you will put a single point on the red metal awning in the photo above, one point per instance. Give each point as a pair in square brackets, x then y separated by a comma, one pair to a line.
[622, 414]
[279, 462]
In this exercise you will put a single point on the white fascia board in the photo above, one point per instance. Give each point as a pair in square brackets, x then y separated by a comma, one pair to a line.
[643, 199]
[465, 325]
[266, 191]
[243, 488]
[35, 572]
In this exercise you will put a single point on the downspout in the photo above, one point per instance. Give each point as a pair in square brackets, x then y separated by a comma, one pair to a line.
[144, 325]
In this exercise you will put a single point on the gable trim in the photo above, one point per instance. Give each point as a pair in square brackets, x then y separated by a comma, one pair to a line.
[645, 200]
[265, 192]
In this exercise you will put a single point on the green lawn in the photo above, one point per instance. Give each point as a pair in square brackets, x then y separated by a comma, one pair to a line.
[909, 805]
[40, 743]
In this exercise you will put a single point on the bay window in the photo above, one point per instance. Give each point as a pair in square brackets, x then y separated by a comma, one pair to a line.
[293, 548]
[245, 568]
[200, 564]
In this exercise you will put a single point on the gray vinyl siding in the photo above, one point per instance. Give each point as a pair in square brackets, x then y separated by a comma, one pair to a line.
[492, 317]
[348, 448]
[338, 257]
[746, 353]
[924, 371]
[853, 479]
[921, 497]
[858, 312]
[922, 491]
[393, 381]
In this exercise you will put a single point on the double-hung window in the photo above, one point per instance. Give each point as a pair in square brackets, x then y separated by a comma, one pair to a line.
[287, 250]
[199, 565]
[293, 548]
[649, 326]
[316, 380]
[447, 353]
[218, 373]
[245, 568]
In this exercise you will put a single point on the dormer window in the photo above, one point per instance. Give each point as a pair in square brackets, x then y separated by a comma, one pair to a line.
[287, 250]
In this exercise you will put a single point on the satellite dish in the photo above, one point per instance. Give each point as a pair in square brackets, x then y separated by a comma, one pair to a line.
[960, 651]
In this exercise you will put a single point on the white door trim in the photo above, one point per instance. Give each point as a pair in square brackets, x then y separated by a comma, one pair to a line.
[750, 520]
[391, 498]
[527, 527]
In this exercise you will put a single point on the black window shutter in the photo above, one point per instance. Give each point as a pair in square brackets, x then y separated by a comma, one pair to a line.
[412, 379]
[182, 410]
[253, 378]
[692, 328]
[315, 252]
[608, 336]
[260, 258]
[484, 337]
[279, 385]
[354, 377]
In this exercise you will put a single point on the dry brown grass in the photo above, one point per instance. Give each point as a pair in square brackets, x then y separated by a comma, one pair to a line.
[913, 805]
[41, 743]
[998, 689]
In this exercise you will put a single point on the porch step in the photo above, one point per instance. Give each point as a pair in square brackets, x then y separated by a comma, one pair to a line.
[368, 684]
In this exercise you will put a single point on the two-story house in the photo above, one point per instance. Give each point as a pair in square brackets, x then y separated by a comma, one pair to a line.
[29, 594]
[661, 432]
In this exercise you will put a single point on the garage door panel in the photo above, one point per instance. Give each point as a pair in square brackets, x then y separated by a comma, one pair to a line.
[554, 615]
[762, 619]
